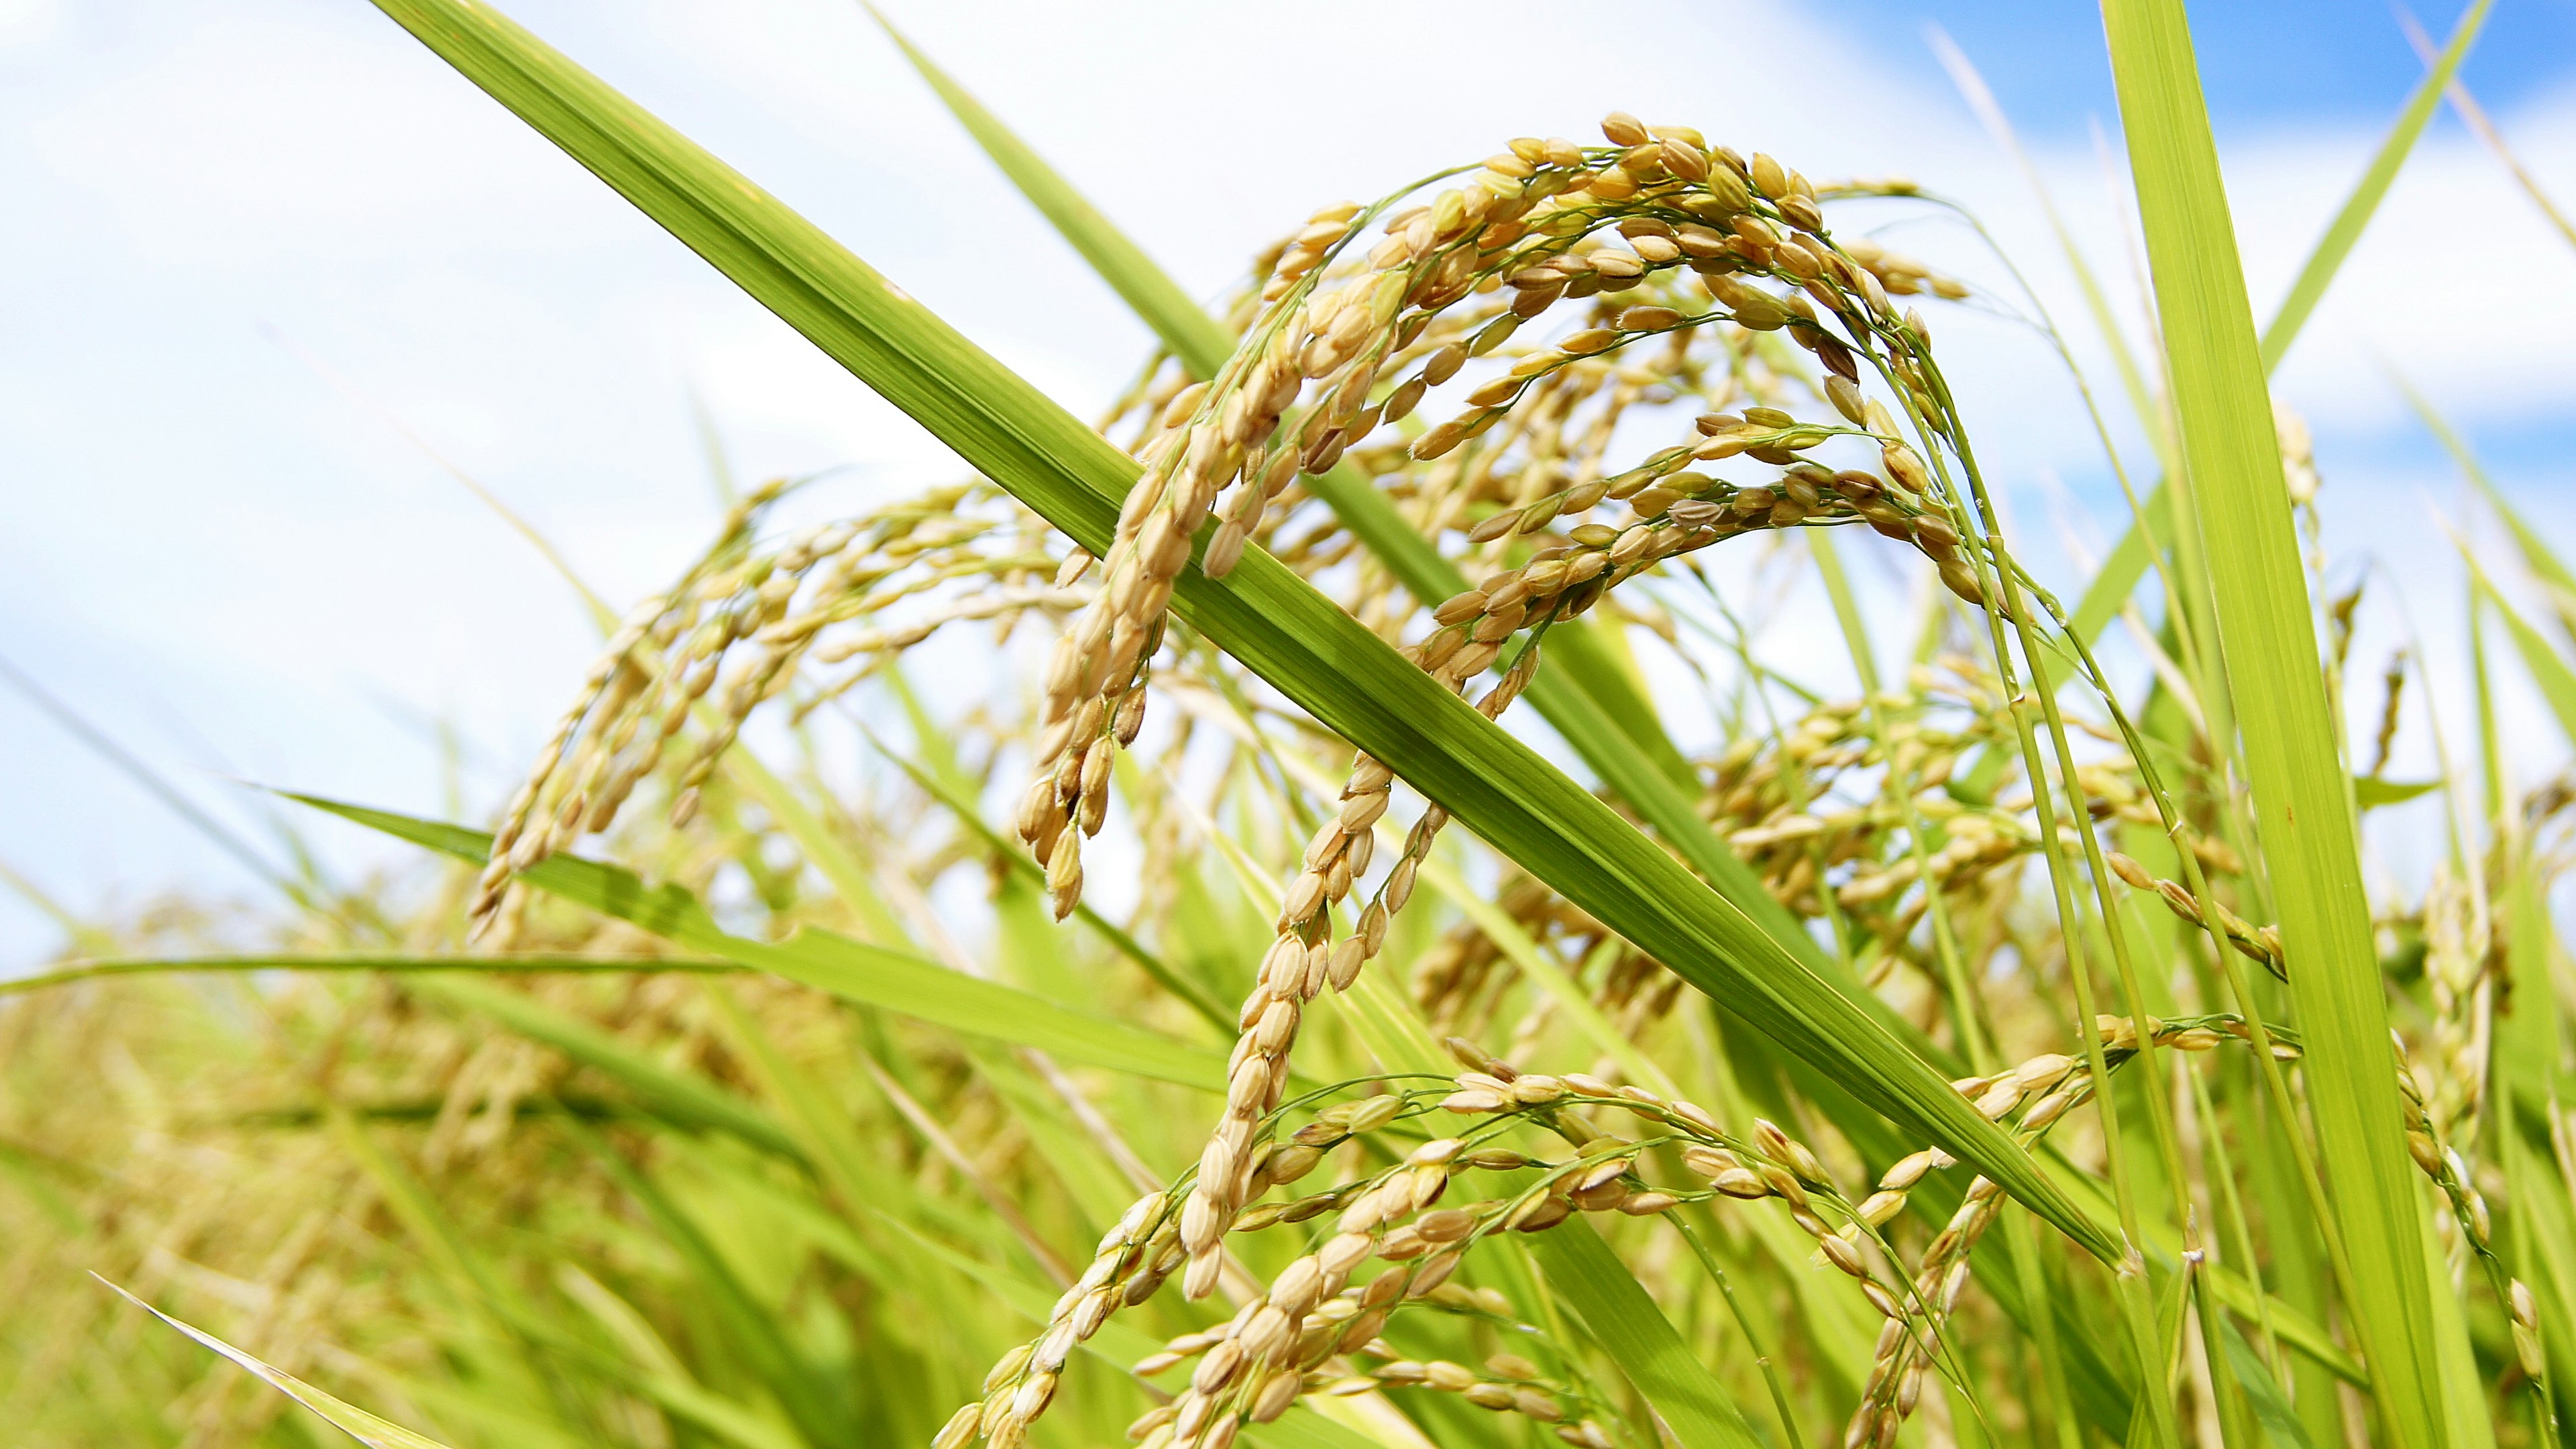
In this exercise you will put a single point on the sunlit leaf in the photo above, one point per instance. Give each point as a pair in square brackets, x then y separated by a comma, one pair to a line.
[2268, 638]
[357, 1423]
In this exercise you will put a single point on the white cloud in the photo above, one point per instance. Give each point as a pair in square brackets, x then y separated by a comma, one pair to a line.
[238, 137]
[26, 25]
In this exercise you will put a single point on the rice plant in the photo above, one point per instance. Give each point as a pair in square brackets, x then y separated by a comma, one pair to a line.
[2009, 1052]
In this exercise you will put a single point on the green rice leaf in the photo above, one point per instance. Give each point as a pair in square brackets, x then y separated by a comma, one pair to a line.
[1262, 613]
[2263, 1392]
[750, 1327]
[357, 1423]
[2557, 582]
[2464, 1390]
[2170, 1318]
[2548, 669]
[2370, 791]
[1194, 337]
[1583, 1271]
[497, 964]
[725, 1418]
[821, 1126]
[851, 970]
[497, 1296]
[2556, 680]
[483, 1412]
[512, 1350]
[2130, 559]
[2267, 635]
[492, 1295]
[677, 1095]
[2346, 229]
[2544, 1247]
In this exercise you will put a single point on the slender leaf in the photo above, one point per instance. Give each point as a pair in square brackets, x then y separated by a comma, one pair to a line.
[500, 1421]
[867, 975]
[2263, 1393]
[507, 1346]
[1648, 1349]
[2129, 560]
[2308, 837]
[748, 1325]
[2557, 582]
[2556, 680]
[677, 1095]
[516, 961]
[496, 1297]
[2370, 791]
[2464, 1390]
[1198, 340]
[1263, 614]
[357, 1423]
[2357, 209]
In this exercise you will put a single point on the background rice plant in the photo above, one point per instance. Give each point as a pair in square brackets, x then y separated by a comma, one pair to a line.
[1997, 1055]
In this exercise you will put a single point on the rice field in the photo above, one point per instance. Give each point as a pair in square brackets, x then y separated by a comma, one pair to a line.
[1312, 1001]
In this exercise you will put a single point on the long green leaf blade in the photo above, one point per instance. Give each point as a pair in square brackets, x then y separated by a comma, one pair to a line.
[1184, 326]
[799, 1387]
[2130, 559]
[2265, 632]
[2557, 582]
[1261, 613]
[678, 1095]
[2346, 229]
[357, 1423]
[517, 961]
[851, 970]
[1648, 1349]
[2556, 680]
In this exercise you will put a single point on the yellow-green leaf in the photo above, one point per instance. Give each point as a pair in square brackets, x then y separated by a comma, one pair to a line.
[2268, 639]
[357, 1423]
[855, 972]
[2130, 559]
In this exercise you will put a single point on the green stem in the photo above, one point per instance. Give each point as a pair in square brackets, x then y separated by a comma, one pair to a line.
[1779, 1387]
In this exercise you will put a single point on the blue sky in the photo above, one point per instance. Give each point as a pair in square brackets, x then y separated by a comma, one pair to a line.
[274, 270]
[2263, 62]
